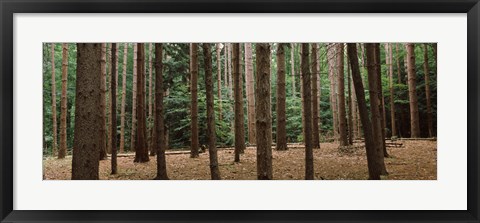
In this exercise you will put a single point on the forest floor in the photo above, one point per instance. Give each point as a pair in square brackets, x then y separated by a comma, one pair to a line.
[416, 160]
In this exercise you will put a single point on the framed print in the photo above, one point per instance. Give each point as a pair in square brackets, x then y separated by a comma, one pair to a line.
[239, 111]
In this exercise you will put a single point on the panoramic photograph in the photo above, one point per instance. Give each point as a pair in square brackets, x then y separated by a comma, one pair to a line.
[239, 111]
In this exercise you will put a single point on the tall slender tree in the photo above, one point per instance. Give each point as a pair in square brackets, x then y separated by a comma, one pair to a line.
[159, 124]
[307, 107]
[375, 104]
[250, 93]
[412, 91]
[342, 114]
[314, 76]
[141, 149]
[374, 164]
[150, 80]
[212, 149]
[124, 94]
[194, 105]
[63, 115]
[86, 147]
[381, 99]
[292, 62]
[54, 102]
[238, 88]
[331, 77]
[389, 54]
[134, 99]
[350, 108]
[263, 115]
[281, 99]
[103, 110]
[219, 81]
[426, 72]
[113, 127]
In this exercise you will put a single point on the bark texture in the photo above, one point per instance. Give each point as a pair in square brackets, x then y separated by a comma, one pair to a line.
[124, 94]
[307, 107]
[159, 124]
[342, 114]
[250, 93]
[374, 165]
[412, 92]
[85, 160]
[63, 101]
[54, 103]
[211, 137]
[134, 99]
[113, 128]
[141, 149]
[315, 71]
[281, 97]
[239, 116]
[263, 115]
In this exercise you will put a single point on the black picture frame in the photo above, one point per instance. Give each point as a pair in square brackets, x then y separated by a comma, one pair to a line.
[9, 7]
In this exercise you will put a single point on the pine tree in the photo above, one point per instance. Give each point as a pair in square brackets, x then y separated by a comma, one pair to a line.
[281, 99]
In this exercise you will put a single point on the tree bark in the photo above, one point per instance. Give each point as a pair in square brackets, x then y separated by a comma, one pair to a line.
[150, 80]
[342, 114]
[375, 104]
[113, 128]
[281, 97]
[412, 92]
[250, 93]
[333, 98]
[103, 111]
[427, 91]
[54, 103]
[159, 143]
[141, 149]
[194, 106]
[314, 76]
[212, 149]
[351, 127]
[239, 116]
[381, 99]
[85, 161]
[124, 94]
[63, 115]
[134, 99]
[307, 107]
[392, 99]
[263, 112]
[219, 81]
[374, 164]
[292, 62]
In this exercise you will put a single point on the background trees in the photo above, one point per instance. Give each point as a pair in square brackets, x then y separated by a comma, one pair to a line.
[393, 81]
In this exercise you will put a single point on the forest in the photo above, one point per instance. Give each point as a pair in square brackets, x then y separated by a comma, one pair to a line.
[239, 111]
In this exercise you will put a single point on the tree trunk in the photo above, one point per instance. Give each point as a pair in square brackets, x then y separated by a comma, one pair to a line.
[134, 99]
[381, 99]
[342, 114]
[63, 115]
[333, 98]
[219, 82]
[86, 147]
[392, 99]
[141, 149]
[103, 111]
[124, 94]
[374, 164]
[230, 77]
[250, 93]
[263, 112]
[375, 104]
[239, 122]
[211, 138]
[351, 127]
[159, 143]
[281, 97]
[292, 61]
[307, 107]
[403, 116]
[113, 128]
[150, 81]
[412, 92]
[314, 76]
[427, 91]
[194, 108]
[54, 103]
[225, 60]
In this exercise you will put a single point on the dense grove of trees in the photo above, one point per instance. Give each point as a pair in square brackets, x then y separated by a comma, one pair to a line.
[147, 98]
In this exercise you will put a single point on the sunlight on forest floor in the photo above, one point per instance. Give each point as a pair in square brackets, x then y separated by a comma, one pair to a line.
[417, 160]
